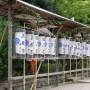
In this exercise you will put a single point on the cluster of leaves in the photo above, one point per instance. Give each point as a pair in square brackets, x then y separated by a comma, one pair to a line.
[79, 9]
[75, 8]
[3, 49]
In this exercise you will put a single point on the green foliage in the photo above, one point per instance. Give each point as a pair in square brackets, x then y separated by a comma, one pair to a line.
[44, 68]
[3, 49]
[80, 9]
[75, 8]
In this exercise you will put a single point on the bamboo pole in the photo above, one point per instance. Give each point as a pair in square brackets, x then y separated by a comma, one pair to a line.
[35, 82]
[70, 59]
[64, 70]
[87, 67]
[36, 74]
[82, 68]
[10, 85]
[24, 79]
[70, 66]
[48, 73]
[76, 67]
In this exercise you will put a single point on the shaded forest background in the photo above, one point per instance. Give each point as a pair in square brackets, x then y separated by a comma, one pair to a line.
[79, 9]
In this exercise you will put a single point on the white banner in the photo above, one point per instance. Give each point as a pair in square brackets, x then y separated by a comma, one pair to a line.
[62, 46]
[53, 50]
[20, 42]
[73, 48]
[35, 44]
[30, 46]
[84, 48]
[43, 45]
[48, 45]
[39, 45]
[67, 46]
[42, 48]
[88, 49]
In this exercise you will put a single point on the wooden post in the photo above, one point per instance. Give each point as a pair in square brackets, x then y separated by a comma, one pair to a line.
[64, 70]
[24, 71]
[9, 48]
[57, 69]
[57, 53]
[76, 67]
[24, 79]
[70, 66]
[48, 73]
[82, 68]
[35, 83]
[87, 67]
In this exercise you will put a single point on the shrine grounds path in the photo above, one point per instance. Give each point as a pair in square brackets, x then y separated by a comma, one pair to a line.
[74, 86]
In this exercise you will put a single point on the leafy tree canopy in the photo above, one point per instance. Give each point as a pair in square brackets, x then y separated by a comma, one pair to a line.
[79, 9]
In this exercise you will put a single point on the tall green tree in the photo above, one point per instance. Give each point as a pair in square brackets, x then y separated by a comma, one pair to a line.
[79, 9]
[75, 8]
[3, 49]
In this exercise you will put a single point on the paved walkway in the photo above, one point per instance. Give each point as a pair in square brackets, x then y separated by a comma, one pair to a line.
[75, 86]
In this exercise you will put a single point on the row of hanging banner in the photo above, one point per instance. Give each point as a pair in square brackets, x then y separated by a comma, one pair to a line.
[73, 48]
[34, 44]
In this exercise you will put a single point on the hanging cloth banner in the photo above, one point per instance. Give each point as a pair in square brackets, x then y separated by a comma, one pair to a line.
[72, 48]
[40, 45]
[78, 49]
[20, 42]
[36, 44]
[43, 44]
[88, 50]
[68, 47]
[62, 46]
[48, 47]
[30, 44]
[84, 50]
[53, 42]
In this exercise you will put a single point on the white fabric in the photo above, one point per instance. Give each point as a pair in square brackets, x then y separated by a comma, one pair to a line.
[42, 48]
[53, 50]
[20, 42]
[88, 49]
[62, 46]
[34, 44]
[48, 48]
[30, 47]
[73, 48]
[36, 47]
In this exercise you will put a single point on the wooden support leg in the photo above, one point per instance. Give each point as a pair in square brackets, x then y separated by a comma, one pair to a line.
[82, 69]
[24, 80]
[64, 71]
[76, 67]
[87, 68]
[48, 73]
[70, 66]
[57, 69]
[24, 71]
[33, 87]
[9, 48]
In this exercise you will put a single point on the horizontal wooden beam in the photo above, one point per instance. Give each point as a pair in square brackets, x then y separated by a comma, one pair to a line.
[51, 74]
